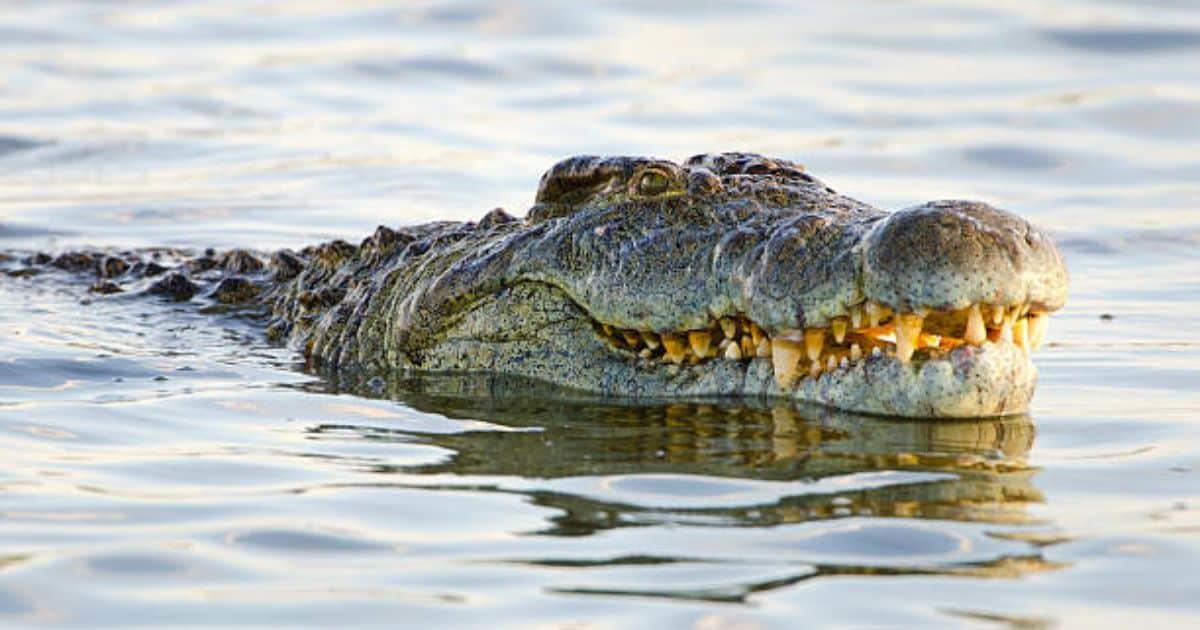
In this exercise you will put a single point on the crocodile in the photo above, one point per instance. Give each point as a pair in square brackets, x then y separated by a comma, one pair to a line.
[730, 274]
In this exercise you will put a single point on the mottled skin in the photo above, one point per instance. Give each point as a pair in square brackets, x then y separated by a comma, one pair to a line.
[648, 244]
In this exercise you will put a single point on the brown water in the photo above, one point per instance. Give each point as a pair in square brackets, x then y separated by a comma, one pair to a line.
[160, 465]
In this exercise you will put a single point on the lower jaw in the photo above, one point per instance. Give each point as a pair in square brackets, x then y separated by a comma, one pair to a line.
[993, 379]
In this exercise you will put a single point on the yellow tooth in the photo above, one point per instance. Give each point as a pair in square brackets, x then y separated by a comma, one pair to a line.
[976, 333]
[1020, 331]
[997, 315]
[814, 341]
[839, 329]
[930, 341]
[747, 345]
[729, 327]
[831, 363]
[608, 330]
[908, 331]
[856, 317]
[785, 357]
[756, 334]
[814, 369]
[646, 353]
[855, 352]
[764, 348]
[631, 337]
[701, 342]
[651, 340]
[675, 347]
[1037, 329]
[877, 313]
[733, 352]
[1006, 330]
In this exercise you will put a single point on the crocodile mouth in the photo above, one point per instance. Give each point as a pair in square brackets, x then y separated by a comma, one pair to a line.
[867, 330]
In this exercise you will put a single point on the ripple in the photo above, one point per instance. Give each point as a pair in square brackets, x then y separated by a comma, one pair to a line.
[881, 541]
[297, 541]
[1013, 157]
[12, 144]
[1125, 40]
[452, 67]
[44, 373]
[136, 565]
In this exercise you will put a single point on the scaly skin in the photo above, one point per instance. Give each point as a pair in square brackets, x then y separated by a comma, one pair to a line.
[613, 246]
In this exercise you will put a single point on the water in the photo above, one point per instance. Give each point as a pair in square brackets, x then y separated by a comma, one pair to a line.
[161, 465]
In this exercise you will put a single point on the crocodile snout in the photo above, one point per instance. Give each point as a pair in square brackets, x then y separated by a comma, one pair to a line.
[951, 254]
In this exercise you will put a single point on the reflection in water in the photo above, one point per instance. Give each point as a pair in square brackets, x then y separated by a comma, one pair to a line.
[675, 463]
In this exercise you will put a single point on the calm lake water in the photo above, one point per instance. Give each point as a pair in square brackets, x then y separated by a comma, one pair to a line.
[163, 466]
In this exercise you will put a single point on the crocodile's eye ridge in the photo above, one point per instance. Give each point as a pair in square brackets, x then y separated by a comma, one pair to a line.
[652, 183]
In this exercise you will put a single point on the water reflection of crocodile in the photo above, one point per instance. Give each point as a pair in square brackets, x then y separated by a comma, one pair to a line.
[731, 274]
[842, 466]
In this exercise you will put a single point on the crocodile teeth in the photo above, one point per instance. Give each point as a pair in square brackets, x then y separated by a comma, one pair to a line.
[756, 334]
[747, 344]
[1020, 330]
[896, 334]
[785, 358]
[839, 329]
[976, 332]
[675, 347]
[908, 331]
[1006, 330]
[876, 313]
[814, 342]
[701, 342]
[1037, 329]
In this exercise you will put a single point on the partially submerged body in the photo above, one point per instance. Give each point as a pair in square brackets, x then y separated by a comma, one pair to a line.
[729, 275]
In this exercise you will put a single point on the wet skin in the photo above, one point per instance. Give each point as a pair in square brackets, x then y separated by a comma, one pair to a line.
[728, 275]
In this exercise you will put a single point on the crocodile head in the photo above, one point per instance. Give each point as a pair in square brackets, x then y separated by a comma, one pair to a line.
[735, 274]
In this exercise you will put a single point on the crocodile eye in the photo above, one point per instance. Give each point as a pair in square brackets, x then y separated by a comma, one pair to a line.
[653, 183]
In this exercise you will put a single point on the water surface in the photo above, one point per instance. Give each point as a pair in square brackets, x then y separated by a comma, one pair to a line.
[162, 465]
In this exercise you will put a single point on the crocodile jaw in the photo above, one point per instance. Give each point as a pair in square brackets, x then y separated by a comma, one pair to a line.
[994, 379]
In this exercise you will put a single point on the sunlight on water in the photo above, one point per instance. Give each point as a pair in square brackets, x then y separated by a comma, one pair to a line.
[165, 465]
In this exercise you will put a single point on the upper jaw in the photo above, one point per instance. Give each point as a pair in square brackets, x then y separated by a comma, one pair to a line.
[950, 283]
